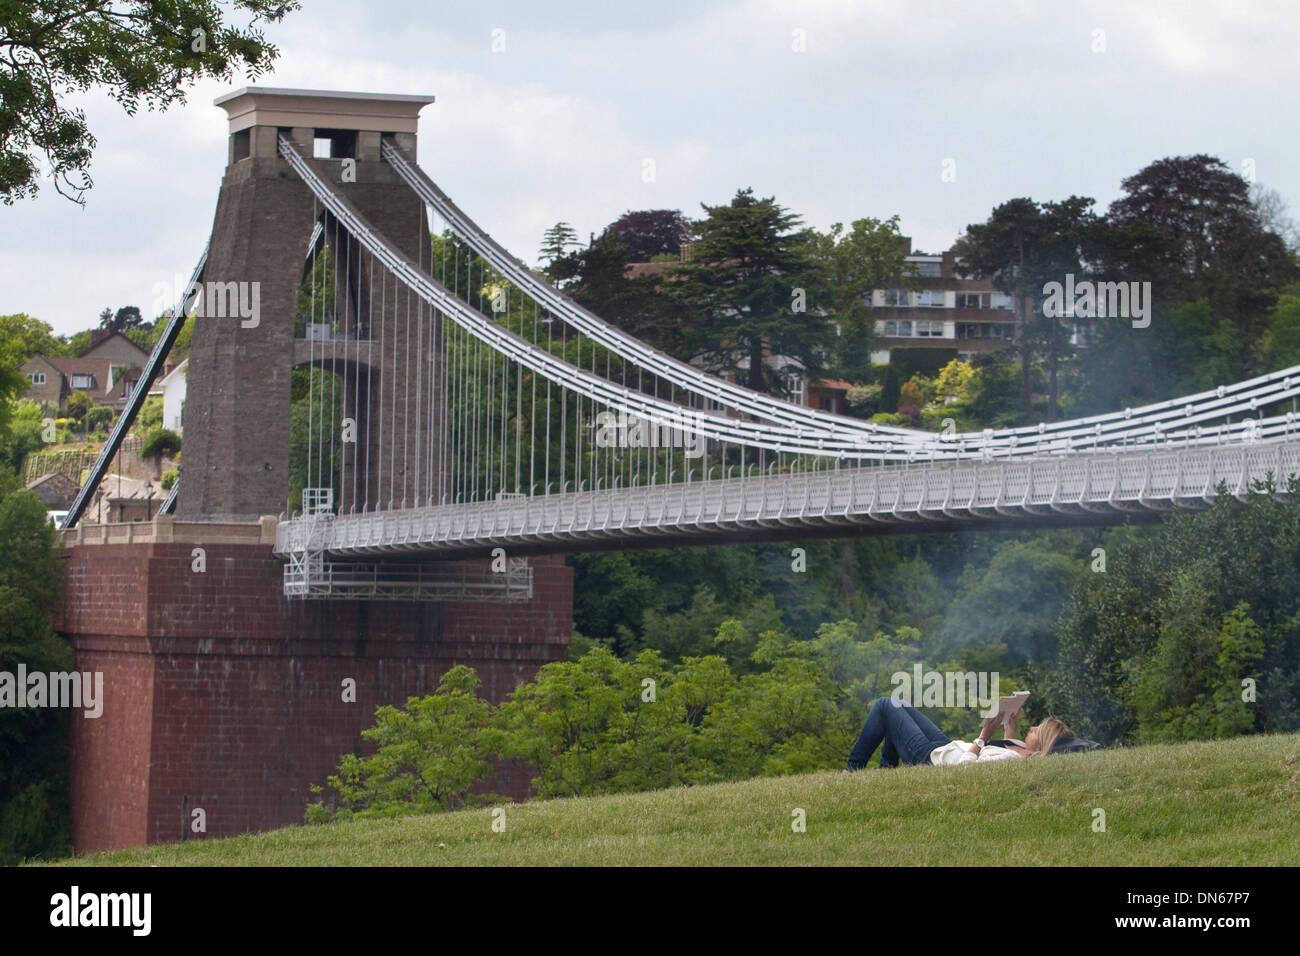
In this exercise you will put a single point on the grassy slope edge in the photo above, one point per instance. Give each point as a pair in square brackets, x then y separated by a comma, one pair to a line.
[1231, 802]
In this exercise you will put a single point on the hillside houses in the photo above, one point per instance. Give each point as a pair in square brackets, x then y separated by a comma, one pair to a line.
[107, 372]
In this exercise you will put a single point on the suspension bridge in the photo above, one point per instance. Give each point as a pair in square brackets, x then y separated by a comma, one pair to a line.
[470, 405]
[457, 403]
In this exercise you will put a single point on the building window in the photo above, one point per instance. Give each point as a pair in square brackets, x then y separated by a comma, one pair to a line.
[931, 298]
[973, 300]
[897, 297]
[930, 270]
[795, 384]
[907, 328]
[37, 378]
[986, 330]
[83, 381]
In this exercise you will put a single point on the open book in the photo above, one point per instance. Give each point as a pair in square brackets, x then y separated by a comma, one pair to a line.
[1008, 707]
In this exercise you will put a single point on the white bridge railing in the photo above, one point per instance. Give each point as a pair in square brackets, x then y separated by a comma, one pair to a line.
[928, 496]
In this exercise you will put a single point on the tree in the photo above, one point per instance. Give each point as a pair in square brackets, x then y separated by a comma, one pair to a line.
[123, 320]
[315, 403]
[80, 341]
[890, 390]
[750, 276]
[1188, 686]
[596, 277]
[1272, 215]
[869, 256]
[183, 338]
[993, 388]
[77, 405]
[430, 754]
[34, 802]
[1281, 344]
[150, 416]
[24, 434]
[32, 336]
[954, 382]
[142, 335]
[1178, 628]
[1022, 246]
[584, 727]
[556, 241]
[1016, 598]
[100, 416]
[1216, 256]
[1201, 210]
[648, 233]
[13, 384]
[137, 51]
[1209, 240]
[788, 718]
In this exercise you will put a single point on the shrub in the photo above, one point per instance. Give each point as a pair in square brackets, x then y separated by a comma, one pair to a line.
[161, 443]
[150, 416]
[889, 418]
[865, 399]
[431, 754]
[78, 405]
[100, 416]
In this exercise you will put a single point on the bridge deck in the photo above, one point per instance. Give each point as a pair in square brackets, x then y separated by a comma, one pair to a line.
[917, 497]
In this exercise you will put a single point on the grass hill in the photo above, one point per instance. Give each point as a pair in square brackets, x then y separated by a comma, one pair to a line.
[1232, 802]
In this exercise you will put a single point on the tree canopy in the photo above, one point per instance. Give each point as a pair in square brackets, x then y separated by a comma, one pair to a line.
[750, 284]
[647, 233]
[31, 335]
[140, 52]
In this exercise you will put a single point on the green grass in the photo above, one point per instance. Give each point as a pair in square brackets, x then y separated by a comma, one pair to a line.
[1232, 802]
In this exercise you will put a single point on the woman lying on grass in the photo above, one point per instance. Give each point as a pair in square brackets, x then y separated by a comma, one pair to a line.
[909, 735]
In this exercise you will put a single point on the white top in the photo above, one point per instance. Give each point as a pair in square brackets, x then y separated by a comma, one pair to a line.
[958, 752]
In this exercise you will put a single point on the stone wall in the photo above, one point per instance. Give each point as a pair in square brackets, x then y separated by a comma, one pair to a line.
[222, 694]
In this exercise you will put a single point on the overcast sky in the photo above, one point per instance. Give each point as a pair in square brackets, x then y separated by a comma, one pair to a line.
[1023, 98]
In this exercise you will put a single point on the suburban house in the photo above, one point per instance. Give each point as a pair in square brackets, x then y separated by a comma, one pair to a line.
[172, 387]
[54, 378]
[115, 347]
[107, 372]
[55, 490]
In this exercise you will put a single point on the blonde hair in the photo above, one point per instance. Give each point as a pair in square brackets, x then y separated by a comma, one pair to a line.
[1049, 732]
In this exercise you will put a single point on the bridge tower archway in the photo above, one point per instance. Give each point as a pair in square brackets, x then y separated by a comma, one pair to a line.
[237, 410]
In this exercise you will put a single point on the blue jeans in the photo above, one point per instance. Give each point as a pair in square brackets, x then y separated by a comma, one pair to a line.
[904, 732]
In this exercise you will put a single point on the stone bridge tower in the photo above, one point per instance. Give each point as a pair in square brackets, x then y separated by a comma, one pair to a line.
[221, 693]
[235, 463]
